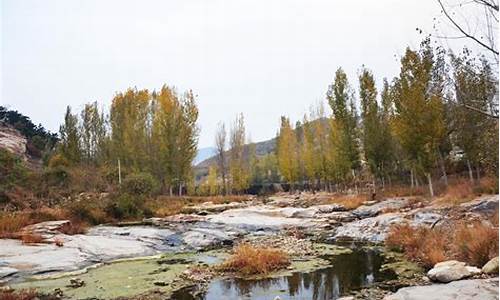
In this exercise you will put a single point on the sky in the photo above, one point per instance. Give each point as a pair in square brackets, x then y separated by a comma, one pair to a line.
[263, 58]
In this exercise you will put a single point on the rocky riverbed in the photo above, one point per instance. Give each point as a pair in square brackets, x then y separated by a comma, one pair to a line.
[170, 257]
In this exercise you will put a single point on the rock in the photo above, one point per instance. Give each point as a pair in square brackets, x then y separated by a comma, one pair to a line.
[484, 289]
[46, 229]
[448, 271]
[485, 205]
[7, 271]
[201, 237]
[473, 270]
[76, 283]
[425, 218]
[366, 211]
[346, 298]
[13, 141]
[491, 267]
[370, 229]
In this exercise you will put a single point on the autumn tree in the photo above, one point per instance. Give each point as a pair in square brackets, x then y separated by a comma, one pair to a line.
[238, 167]
[220, 145]
[344, 132]
[287, 152]
[419, 124]
[376, 135]
[474, 132]
[70, 146]
[93, 134]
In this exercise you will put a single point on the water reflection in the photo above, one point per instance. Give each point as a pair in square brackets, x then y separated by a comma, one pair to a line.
[348, 272]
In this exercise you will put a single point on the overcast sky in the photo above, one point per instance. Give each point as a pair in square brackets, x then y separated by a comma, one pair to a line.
[263, 58]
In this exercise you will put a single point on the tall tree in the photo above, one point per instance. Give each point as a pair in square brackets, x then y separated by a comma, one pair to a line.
[344, 125]
[70, 138]
[220, 145]
[376, 139]
[287, 152]
[419, 122]
[237, 164]
[93, 134]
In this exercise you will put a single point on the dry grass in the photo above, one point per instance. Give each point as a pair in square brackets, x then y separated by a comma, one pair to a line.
[10, 224]
[462, 190]
[349, 201]
[474, 244]
[31, 238]
[19, 295]
[249, 260]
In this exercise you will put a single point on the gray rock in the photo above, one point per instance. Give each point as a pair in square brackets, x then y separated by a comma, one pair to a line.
[7, 271]
[366, 211]
[425, 218]
[370, 229]
[491, 267]
[482, 205]
[450, 270]
[484, 289]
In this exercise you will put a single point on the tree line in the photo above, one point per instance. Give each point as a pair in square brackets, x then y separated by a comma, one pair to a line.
[144, 132]
[441, 107]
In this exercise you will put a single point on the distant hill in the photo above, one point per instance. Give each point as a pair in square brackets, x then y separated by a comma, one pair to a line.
[261, 149]
[203, 154]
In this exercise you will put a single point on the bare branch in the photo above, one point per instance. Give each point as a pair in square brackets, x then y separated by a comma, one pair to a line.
[468, 35]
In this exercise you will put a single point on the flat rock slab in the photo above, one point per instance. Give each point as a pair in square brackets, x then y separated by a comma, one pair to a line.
[372, 229]
[261, 217]
[474, 289]
[366, 211]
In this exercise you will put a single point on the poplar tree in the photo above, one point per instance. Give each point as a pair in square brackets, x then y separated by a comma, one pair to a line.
[70, 146]
[376, 139]
[237, 164]
[419, 122]
[220, 145]
[344, 133]
[287, 152]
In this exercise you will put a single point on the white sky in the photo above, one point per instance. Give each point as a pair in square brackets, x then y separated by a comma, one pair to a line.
[264, 58]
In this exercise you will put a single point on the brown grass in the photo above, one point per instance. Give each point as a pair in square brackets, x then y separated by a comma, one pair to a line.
[474, 244]
[349, 201]
[462, 190]
[19, 295]
[10, 224]
[250, 260]
[31, 238]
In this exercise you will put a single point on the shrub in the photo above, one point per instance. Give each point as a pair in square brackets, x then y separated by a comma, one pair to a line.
[58, 160]
[249, 260]
[139, 184]
[474, 244]
[126, 206]
[57, 176]
[11, 223]
[12, 170]
[19, 295]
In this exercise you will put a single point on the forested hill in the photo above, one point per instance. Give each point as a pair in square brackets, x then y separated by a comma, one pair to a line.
[261, 149]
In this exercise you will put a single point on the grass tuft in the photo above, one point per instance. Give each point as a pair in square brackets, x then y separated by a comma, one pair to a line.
[250, 260]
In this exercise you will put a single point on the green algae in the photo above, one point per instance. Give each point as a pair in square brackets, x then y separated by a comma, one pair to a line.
[124, 278]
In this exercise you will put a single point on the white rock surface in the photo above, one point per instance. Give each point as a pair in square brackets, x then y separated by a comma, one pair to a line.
[366, 211]
[451, 270]
[475, 289]
[372, 229]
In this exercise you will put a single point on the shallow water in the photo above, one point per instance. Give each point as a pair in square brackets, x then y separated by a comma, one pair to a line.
[347, 272]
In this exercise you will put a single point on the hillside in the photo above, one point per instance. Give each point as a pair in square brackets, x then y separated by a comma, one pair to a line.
[261, 149]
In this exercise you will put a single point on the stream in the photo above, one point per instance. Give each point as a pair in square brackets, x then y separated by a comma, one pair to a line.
[349, 271]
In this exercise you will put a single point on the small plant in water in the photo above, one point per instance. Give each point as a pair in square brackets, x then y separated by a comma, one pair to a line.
[250, 260]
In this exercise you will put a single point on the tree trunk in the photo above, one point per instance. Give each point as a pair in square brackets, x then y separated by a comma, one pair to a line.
[471, 175]
[443, 169]
[478, 174]
[412, 179]
[171, 191]
[180, 189]
[429, 180]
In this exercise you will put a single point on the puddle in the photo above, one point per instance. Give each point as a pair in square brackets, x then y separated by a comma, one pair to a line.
[347, 272]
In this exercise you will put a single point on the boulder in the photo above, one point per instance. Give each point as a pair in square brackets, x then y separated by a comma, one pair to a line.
[450, 270]
[484, 289]
[366, 211]
[491, 267]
